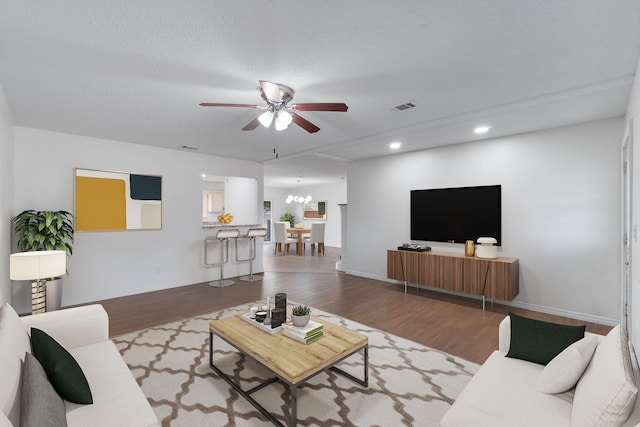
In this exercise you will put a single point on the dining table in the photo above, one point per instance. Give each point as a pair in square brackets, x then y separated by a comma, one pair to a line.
[300, 232]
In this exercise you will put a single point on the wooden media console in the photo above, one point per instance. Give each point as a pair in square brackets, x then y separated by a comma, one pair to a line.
[489, 278]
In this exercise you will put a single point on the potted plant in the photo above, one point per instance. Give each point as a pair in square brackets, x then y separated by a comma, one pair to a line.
[300, 315]
[287, 217]
[46, 231]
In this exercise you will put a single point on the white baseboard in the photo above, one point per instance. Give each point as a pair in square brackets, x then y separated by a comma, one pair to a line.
[527, 306]
[564, 313]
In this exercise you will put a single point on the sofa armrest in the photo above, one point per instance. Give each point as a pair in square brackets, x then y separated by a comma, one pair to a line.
[72, 327]
[504, 335]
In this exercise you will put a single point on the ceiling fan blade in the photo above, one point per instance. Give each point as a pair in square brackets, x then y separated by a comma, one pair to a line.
[304, 123]
[252, 124]
[321, 106]
[216, 104]
[271, 91]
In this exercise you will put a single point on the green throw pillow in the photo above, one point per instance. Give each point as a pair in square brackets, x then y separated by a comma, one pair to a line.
[538, 341]
[63, 371]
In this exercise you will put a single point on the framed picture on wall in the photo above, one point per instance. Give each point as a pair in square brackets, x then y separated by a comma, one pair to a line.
[117, 201]
[315, 210]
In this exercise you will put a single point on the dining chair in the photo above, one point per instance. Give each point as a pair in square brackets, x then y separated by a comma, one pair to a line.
[316, 237]
[280, 237]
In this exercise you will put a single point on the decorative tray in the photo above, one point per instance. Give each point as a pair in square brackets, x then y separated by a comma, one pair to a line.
[262, 326]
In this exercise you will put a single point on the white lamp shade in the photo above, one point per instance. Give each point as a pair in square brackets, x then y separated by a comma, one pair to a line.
[266, 118]
[280, 125]
[284, 117]
[37, 265]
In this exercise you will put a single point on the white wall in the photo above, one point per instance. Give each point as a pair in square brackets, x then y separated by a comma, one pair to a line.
[6, 195]
[633, 114]
[240, 198]
[110, 264]
[334, 194]
[560, 211]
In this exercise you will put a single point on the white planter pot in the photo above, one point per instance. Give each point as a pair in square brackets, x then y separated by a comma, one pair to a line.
[300, 320]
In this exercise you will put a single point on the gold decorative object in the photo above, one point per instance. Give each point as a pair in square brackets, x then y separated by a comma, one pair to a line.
[469, 248]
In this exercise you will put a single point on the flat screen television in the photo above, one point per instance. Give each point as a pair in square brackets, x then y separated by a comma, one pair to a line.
[455, 215]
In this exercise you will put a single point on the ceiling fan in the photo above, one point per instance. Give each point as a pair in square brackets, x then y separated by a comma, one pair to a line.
[278, 97]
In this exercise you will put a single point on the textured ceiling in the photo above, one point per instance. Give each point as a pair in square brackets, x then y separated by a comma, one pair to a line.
[136, 72]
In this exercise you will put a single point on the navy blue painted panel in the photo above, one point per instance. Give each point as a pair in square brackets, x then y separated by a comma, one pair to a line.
[145, 187]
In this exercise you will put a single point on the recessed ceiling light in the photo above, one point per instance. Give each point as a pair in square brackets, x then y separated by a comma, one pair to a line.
[394, 145]
[482, 129]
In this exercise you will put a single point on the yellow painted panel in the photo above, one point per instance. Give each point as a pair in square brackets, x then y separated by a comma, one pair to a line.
[100, 204]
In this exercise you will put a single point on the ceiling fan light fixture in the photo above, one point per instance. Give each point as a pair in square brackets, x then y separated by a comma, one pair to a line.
[266, 118]
[280, 125]
[285, 117]
[278, 96]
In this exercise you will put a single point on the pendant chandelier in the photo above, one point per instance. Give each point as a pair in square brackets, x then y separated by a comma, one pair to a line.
[299, 199]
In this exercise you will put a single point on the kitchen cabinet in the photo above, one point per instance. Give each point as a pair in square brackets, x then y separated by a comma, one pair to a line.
[212, 201]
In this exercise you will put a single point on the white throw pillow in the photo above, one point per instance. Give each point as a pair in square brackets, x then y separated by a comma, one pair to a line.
[606, 393]
[564, 370]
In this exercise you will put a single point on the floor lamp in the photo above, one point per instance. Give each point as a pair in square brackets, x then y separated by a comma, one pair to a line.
[37, 266]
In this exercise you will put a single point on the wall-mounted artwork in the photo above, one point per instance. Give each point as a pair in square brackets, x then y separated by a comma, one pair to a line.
[108, 201]
[315, 210]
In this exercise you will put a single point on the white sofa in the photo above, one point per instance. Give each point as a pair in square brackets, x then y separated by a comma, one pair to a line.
[504, 392]
[84, 332]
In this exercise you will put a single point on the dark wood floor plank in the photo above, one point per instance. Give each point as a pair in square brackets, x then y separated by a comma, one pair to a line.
[453, 324]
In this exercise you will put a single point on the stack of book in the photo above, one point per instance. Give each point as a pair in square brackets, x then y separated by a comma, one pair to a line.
[304, 334]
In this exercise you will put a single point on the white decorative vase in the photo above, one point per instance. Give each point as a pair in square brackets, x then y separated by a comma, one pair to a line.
[54, 294]
[300, 320]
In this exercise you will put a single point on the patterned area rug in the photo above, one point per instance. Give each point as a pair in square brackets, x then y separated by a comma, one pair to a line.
[409, 384]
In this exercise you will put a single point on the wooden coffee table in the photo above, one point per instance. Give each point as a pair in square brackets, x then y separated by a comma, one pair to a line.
[292, 362]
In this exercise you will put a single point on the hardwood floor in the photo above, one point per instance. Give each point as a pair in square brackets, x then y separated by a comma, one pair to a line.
[456, 325]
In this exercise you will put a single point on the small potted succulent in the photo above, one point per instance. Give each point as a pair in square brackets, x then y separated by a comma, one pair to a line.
[300, 315]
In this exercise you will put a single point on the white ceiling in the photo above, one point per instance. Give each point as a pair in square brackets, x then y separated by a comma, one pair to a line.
[136, 71]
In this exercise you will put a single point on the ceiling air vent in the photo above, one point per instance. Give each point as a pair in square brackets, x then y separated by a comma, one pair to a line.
[403, 107]
[186, 147]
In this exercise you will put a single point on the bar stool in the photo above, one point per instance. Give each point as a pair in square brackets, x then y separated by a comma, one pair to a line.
[222, 238]
[251, 235]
